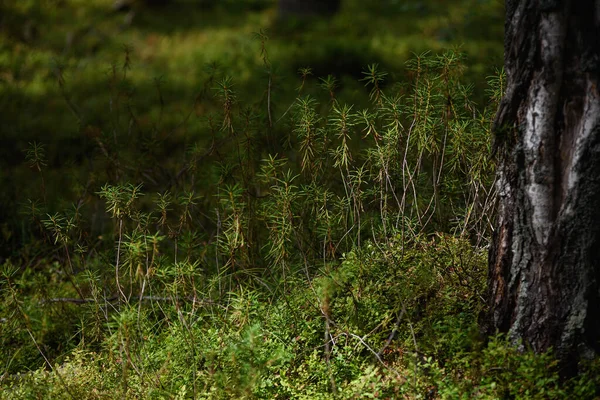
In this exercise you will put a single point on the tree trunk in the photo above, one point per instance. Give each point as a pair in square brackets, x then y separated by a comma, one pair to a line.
[308, 7]
[544, 261]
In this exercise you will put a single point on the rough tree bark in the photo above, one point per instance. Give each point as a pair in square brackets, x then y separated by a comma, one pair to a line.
[308, 7]
[544, 262]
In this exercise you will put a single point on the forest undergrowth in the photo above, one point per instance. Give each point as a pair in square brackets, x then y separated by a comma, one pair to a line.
[311, 250]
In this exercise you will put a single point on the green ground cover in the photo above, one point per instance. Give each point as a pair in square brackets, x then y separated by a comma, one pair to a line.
[206, 201]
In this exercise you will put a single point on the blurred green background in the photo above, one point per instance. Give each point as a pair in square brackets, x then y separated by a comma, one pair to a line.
[73, 72]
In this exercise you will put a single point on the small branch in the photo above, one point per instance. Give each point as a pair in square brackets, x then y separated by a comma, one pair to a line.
[328, 343]
[377, 356]
[285, 113]
[393, 333]
[141, 298]
[118, 258]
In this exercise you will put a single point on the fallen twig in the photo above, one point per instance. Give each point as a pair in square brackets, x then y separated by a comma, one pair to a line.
[73, 300]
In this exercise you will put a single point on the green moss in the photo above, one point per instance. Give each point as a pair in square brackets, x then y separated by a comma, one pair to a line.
[188, 215]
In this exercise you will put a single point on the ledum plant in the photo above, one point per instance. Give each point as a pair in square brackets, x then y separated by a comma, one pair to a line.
[265, 200]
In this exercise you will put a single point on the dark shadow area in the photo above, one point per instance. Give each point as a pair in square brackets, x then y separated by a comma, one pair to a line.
[56, 87]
